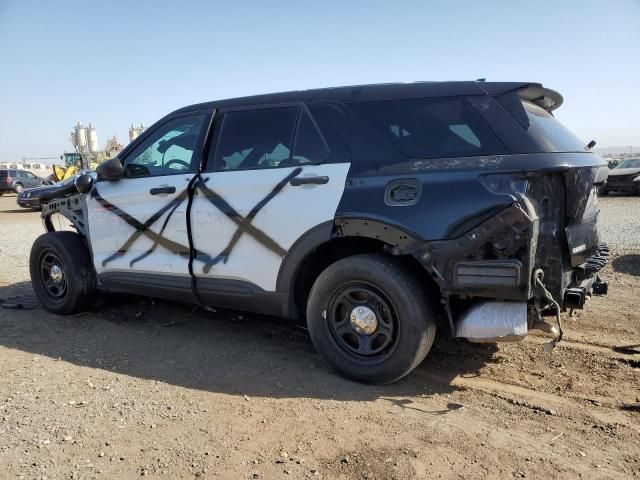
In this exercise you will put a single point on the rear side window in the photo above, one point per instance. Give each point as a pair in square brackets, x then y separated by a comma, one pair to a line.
[552, 135]
[264, 138]
[3, 174]
[432, 128]
[309, 146]
[252, 139]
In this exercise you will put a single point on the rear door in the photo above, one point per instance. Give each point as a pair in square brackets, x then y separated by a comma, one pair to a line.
[268, 181]
[138, 224]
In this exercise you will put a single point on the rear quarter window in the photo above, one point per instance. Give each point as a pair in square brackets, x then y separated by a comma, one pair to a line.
[552, 135]
[432, 128]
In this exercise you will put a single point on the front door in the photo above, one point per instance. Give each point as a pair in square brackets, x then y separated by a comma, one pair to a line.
[267, 184]
[138, 223]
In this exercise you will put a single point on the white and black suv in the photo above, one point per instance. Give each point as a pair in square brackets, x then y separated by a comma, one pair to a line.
[377, 212]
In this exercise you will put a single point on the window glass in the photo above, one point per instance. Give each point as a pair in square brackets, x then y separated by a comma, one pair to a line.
[629, 163]
[309, 146]
[168, 150]
[432, 128]
[552, 135]
[252, 139]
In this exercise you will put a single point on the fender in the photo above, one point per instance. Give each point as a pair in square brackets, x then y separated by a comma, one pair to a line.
[398, 240]
[301, 248]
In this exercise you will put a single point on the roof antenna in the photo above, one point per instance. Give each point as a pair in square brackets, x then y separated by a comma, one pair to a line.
[591, 144]
[481, 80]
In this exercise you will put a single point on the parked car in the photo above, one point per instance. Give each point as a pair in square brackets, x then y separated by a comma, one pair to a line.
[33, 197]
[378, 213]
[14, 180]
[625, 177]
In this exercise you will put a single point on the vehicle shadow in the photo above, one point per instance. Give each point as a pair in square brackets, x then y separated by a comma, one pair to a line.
[20, 210]
[225, 352]
[629, 264]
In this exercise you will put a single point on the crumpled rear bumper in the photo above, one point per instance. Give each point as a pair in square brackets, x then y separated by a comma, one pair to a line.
[586, 280]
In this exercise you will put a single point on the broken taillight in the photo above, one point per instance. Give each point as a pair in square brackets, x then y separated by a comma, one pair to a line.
[505, 184]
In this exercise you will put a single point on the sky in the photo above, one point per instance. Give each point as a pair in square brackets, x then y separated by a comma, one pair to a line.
[121, 62]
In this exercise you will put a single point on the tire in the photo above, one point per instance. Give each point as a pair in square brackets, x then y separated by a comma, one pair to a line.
[71, 287]
[404, 320]
[603, 192]
[18, 188]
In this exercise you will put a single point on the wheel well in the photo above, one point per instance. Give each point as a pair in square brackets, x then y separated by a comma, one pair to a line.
[342, 247]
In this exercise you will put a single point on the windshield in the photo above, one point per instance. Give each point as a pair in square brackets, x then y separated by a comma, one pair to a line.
[549, 132]
[630, 163]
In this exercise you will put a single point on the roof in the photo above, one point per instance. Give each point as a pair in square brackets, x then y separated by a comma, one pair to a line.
[384, 91]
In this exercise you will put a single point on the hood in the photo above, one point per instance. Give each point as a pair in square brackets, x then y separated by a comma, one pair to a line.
[616, 172]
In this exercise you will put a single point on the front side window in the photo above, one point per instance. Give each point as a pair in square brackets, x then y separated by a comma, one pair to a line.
[253, 139]
[432, 127]
[168, 150]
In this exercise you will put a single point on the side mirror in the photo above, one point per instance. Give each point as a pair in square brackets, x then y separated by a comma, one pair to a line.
[110, 170]
[84, 183]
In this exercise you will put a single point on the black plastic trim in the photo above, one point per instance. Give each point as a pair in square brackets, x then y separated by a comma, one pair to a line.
[302, 247]
[214, 292]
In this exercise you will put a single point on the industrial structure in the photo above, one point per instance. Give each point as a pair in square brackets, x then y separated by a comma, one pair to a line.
[86, 152]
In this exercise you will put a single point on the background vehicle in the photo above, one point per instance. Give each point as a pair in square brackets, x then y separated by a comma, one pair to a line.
[33, 197]
[377, 212]
[17, 180]
[625, 177]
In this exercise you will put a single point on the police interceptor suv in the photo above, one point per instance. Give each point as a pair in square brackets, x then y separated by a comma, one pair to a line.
[378, 213]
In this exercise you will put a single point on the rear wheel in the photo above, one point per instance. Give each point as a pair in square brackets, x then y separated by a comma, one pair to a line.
[369, 319]
[18, 188]
[62, 275]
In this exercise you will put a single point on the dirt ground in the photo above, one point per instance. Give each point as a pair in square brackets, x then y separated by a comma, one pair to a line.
[138, 388]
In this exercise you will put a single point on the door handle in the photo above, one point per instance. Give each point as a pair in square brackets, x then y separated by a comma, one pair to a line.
[320, 180]
[163, 189]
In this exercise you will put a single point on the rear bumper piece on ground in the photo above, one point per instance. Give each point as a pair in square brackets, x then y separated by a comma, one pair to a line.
[494, 322]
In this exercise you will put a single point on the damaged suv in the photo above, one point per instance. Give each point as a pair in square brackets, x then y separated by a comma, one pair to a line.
[378, 212]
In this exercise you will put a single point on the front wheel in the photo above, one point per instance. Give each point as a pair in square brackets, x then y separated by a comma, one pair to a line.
[369, 319]
[62, 274]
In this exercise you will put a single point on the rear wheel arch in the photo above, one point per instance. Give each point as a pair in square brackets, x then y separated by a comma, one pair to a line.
[327, 243]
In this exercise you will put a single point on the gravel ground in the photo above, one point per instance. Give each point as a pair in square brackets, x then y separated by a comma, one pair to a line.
[620, 221]
[136, 388]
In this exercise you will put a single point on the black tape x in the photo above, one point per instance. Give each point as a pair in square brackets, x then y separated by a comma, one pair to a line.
[244, 225]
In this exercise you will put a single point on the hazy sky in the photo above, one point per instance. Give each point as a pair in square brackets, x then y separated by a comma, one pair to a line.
[134, 61]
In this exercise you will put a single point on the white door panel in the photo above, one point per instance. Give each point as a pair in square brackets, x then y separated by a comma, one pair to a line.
[283, 219]
[115, 238]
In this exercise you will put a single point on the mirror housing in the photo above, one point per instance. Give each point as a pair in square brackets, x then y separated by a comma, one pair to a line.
[84, 183]
[110, 170]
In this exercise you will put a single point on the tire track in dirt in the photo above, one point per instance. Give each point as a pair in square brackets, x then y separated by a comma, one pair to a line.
[631, 359]
[568, 406]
